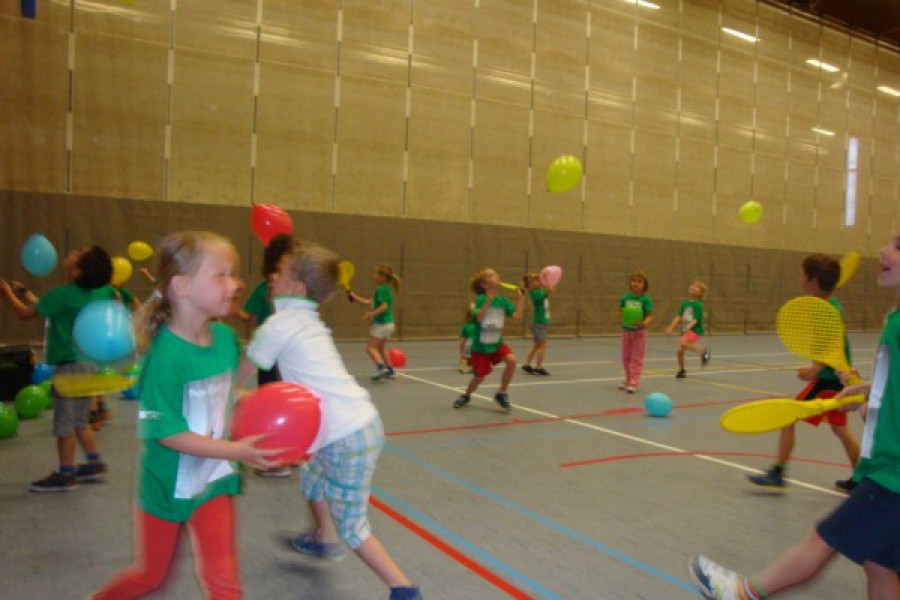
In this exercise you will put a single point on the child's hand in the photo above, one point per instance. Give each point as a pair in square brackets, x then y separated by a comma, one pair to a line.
[808, 373]
[367, 316]
[246, 451]
[669, 330]
[852, 390]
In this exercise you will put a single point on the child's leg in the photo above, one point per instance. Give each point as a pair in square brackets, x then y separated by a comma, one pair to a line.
[882, 583]
[638, 346]
[154, 545]
[473, 384]
[324, 524]
[508, 372]
[785, 444]
[799, 564]
[532, 354]
[212, 529]
[851, 446]
[540, 350]
[372, 349]
[382, 342]
[626, 355]
[680, 355]
[374, 554]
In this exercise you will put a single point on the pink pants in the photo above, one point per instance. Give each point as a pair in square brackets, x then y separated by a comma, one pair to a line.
[633, 345]
[212, 529]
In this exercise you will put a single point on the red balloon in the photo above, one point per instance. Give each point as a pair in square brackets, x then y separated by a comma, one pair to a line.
[288, 414]
[267, 221]
[397, 357]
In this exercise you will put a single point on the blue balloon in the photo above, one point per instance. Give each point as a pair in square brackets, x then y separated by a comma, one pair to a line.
[103, 331]
[658, 404]
[38, 255]
[41, 373]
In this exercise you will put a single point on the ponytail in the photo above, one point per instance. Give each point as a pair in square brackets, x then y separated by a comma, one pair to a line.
[150, 318]
[387, 272]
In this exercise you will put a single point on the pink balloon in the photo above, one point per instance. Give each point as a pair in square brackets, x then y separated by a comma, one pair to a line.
[267, 221]
[288, 414]
[551, 275]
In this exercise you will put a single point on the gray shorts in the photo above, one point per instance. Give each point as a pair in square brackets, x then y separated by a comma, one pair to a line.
[539, 331]
[71, 414]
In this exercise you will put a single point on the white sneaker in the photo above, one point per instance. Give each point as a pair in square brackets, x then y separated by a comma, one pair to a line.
[623, 387]
[630, 389]
[714, 581]
[275, 473]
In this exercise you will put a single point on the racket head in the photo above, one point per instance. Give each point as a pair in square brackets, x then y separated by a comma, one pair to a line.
[812, 328]
[346, 271]
[849, 264]
[78, 385]
[770, 415]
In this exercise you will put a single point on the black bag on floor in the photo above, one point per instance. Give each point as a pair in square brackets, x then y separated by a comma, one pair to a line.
[16, 366]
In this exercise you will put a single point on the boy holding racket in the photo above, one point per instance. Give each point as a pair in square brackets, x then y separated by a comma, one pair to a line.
[819, 275]
[866, 526]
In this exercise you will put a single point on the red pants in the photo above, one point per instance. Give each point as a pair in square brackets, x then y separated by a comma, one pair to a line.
[633, 346]
[212, 530]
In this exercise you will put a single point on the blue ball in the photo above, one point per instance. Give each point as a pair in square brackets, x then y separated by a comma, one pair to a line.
[658, 404]
[41, 373]
[103, 331]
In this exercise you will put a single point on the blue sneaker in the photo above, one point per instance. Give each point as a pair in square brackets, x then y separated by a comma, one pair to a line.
[503, 400]
[406, 592]
[772, 480]
[309, 543]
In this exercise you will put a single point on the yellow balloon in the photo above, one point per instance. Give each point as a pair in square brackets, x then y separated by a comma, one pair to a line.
[139, 250]
[121, 270]
[564, 173]
[751, 212]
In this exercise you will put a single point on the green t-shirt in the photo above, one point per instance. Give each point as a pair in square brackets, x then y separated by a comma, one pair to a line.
[540, 298]
[60, 306]
[488, 332]
[828, 372]
[185, 387]
[692, 310]
[126, 297]
[879, 458]
[383, 295]
[643, 302]
[468, 331]
[259, 304]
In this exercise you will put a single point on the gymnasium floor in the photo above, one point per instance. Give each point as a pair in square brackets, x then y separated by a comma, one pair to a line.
[576, 494]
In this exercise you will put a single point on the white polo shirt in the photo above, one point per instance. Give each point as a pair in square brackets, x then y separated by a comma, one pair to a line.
[299, 341]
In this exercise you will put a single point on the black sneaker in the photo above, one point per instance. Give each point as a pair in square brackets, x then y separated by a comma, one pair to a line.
[528, 369]
[461, 401]
[681, 374]
[542, 371]
[771, 479]
[55, 482]
[503, 401]
[704, 358]
[846, 485]
[92, 471]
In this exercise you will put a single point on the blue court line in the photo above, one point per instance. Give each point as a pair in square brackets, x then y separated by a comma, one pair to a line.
[470, 548]
[612, 552]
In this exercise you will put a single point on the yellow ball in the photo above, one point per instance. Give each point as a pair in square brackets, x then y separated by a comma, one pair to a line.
[121, 270]
[751, 212]
[139, 250]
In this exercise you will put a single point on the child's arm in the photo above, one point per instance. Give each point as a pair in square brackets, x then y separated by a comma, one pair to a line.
[24, 311]
[146, 273]
[809, 373]
[357, 298]
[850, 390]
[648, 318]
[371, 314]
[243, 450]
[671, 328]
[520, 305]
[245, 369]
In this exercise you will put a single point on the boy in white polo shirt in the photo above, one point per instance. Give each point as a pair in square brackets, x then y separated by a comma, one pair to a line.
[338, 478]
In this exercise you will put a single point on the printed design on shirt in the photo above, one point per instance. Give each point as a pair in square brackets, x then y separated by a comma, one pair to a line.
[204, 407]
[492, 325]
[547, 308]
[876, 393]
[687, 318]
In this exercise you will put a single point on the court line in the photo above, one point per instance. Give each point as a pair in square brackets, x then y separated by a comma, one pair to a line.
[605, 459]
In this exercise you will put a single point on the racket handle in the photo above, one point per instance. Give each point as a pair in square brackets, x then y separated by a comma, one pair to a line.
[835, 403]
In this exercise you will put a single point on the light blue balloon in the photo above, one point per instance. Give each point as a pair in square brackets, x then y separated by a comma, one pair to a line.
[103, 331]
[658, 404]
[38, 255]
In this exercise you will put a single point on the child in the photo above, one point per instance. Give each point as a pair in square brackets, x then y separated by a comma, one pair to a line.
[634, 335]
[185, 392]
[866, 526]
[690, 317]
[466, 336]
[382, 318]
[818, 276]
[338, 478]
[488, 348]
[540, 298]
[89, 270]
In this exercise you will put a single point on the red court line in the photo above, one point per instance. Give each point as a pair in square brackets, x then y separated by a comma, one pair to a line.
[450, 551]
[606, 459]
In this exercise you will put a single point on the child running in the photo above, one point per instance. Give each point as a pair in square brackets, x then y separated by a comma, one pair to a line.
[819, 275]
[690, 317]
[382, 317]
[866, 526]
[338, 478]
[540, 299]
[488, 348]
[636, 314]
[186, 390]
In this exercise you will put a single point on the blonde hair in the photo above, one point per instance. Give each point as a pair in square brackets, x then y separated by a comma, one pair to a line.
[387, 272]
[316, 267]
[178, 254]
[528, 278]
[476, 283]
[643, 277]
[701, 286]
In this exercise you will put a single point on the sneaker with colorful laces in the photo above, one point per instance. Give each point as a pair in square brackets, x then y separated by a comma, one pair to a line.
[714, 581]
[92, 471]
[310, 544]
[55, 482]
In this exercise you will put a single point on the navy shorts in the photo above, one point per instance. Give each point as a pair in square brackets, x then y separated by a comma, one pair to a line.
[866, 526]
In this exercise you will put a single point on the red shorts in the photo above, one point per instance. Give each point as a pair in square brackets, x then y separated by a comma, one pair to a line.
[822, 389]
[483, 364]
[689, 337]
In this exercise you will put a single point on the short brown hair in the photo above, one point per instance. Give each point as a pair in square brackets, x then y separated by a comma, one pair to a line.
[317, 267]
[643, 277]
[824, 269]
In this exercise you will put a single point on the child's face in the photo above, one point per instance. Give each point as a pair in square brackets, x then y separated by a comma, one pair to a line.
[889, 265]
[694, 291]
[379, 278]
[213, 288]
[808, 284]
[70, 262]
[283, 281]
[491, 280]
[637, 285]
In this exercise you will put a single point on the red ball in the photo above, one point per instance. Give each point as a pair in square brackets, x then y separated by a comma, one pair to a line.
[397, 357]
[288, 414]
[267, 221]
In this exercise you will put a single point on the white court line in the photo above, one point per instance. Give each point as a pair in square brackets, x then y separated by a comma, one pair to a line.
[628, 437]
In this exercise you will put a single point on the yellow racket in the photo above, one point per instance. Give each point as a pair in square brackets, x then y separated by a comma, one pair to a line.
[346, 271]
[509, 286]
[77, 385]
[849, 264]
[812, 328]
[770, 415]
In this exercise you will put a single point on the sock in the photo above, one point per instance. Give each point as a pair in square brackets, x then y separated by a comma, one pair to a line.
[751, 590]
[70, 470]
[92, 457]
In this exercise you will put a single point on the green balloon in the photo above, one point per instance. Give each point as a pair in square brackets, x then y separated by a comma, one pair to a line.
[564, 174]
[632, 314]
[47, 385]
[31, 401]
[9, 421]
[133, 371]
